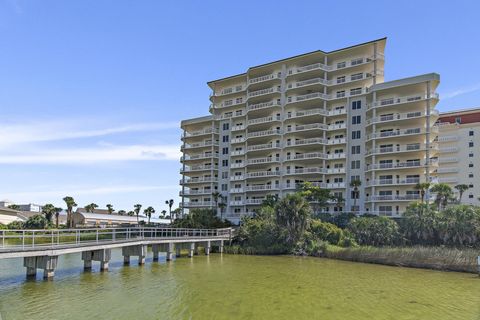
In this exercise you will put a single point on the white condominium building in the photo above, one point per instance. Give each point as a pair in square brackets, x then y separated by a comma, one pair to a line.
[459, 152]
[323, 117]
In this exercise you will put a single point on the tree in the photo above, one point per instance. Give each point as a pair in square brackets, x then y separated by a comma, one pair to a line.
[374, 231]
[270, 200]
[339, 201]
[36, 222]
[110, 208]
[122, 212]
[355, 184]
[444, 193]
[461, 189]
[70, 202]
[57, 215]
[91, 207]
[419, 223]
[293, 214]
[137, 209]
[460, 225]
[131, 213]
[170, 204]
[316, 196]
[222, 205]
[14, 207]
[48, 210]
[148, 212]
[163, 214]
[200, 219]
[423, 188]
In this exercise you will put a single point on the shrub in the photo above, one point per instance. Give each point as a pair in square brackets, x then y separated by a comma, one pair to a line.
[3, 227]
[347, 241]
[15, 225]
[375, 231]
[36, 222]
[326, 231]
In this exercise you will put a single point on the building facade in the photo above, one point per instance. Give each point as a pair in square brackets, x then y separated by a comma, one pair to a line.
[459, 141]
[323, 117]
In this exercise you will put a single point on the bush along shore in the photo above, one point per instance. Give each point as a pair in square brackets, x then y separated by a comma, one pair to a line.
[442, 237]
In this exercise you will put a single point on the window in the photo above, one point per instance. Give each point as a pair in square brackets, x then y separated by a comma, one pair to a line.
[356, 134]
[356, 76]
[470, 185]
[341, 65]
[341, 79]
[458, 120]
[471, 133]
[356, 105]
[224, 150]
[341, 94]
[355, 91]
[470, 196]
[470, 154]
[225, 163]
[354, 178]
[224, 175]
[238, 88]
[470, 165]
[224, 187]
[470, 175]
[225, 138]
[356, 164]
[470, 144]
[354, 62]
[226, 126]
[356, 119]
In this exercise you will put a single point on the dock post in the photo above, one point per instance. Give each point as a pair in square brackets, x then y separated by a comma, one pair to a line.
[102, 255]
[207, 247]
[126, 260]
[47, 263]
[191, 250]
[155, 250]
[220, 247]
[171, 247]
[178, 250]
[31, 264]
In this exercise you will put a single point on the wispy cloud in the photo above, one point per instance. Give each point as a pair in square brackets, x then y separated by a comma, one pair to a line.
[31, 132]
[461, 91]
[95, 155]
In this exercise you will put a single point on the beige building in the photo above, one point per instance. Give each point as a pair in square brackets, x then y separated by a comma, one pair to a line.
[459, 157]
[324, 117]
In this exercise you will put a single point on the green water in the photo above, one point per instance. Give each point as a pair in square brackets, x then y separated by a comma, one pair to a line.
[237, 287]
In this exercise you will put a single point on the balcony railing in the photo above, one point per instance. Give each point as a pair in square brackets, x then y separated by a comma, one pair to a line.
[198, 204]
[405, 197]
[263, 105]
[264, 120]
[337, 66]
[238, 140]
[337, 126]
[399, 100]
[263, 160]
[336, 141]
[254, 201]
[402, 148]
[262, 174]
[264, 78]
[447, 160]
[199, 132]
[383, 182]
[448, 180]
[306, 156]
[305, 127]
[237, 152]
[305, 113]
[264, 133]
[303, 142]
[396, 165]
[199, 168]
[306, 170]
[263, 187]
[265, 146]
[448, 150]
[195, 192]
[262, 92]
[199, 144]
[199, 156]
[447, 170]
[199, 180]
[396, 133]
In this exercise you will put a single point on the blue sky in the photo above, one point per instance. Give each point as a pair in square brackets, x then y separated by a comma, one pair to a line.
[92, 92]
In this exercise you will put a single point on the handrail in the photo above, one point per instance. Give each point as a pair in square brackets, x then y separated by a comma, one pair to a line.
[54, 238]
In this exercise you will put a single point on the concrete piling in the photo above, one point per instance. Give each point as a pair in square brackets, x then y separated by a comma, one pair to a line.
[47, 263]
[171, 248]
[139, 251]
[101, 255]
[207, 247]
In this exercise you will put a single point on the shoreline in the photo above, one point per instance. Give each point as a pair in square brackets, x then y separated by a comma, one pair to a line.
[433, 258]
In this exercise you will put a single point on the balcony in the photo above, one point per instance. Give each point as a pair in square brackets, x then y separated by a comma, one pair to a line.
[336, 141]
[398, 165]
[236, 190]
[262, 174]
[448, 180]
[306, 113]
[307, 156]
[395, 133]
[199, 145]
[312, 126]
[238, 140]
[402, 148]
[237, 203]
[265, 146]
[263, 160]
[309, 96]
[334, 67]
[262, 92]
[237, 165]
[238, 127]
[237, 153]
[237, 178]
[397, 117]
[264, 133]
[385, 182]
[337, 126]
[448, 150]
[451, 138]
[262, 187]
[254, 201]
[263, 105]
[199, 156]
[200, 133]
[229, 115]
[313, 170]
[263, 120]
[230, 90]
[448, 170]
[309, 82]
[304, 142]
[405, 197]
[336, 171]
[400, 100]
[230, 103]
[264, 78]
[195, 192]
[197, 204]
[337, 112]
[199, 180]
[199, 168]
[340, 155]
[447, 160]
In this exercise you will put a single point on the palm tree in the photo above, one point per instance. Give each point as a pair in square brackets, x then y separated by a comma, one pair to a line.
[131, 213]
[163, 214]
[57, 215]
[48, 210]
[422, 187]
[355, 184]
[14, 207]
[222, 205]
[110, 208]
[148, 212]
[170, 204]
[91, 207]
[70, 202]
[461, 189]
[444, 193]
[122, 212]
[217, 197]
[137, 210]
[293, 212]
